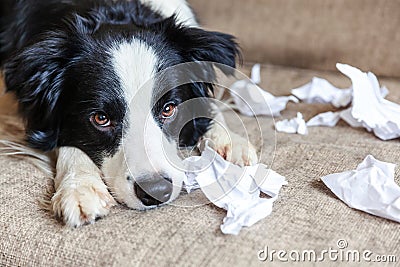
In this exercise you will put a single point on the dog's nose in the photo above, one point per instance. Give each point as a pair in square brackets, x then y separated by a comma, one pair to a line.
[153, 189]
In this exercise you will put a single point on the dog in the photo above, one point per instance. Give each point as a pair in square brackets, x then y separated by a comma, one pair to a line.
[76, 65]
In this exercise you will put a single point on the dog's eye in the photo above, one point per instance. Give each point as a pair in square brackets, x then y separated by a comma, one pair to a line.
[101, 119]
[168, 110]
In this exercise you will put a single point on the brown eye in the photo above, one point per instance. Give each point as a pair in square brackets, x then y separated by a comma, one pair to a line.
[168, 110]
[101, 119]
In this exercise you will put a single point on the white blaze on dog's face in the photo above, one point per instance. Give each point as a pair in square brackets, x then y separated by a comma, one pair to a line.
[143, 172]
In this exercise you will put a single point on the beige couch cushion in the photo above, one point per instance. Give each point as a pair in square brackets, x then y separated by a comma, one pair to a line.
[306, 216]
[311, 33]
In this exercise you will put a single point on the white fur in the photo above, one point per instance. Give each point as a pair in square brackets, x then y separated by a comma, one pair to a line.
[167, 8]
[145, 149]
[232, 146]
[81, 195]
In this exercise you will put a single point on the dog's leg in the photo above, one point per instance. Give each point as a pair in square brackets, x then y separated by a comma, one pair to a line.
[230, 145]
[81, 195]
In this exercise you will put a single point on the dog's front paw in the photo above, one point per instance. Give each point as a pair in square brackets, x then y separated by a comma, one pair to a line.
[235, 148]
[81, 200]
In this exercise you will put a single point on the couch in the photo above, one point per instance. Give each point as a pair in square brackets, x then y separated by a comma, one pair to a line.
[294, 41]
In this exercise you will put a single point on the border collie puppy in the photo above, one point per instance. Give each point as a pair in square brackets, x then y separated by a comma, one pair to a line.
[76, 65]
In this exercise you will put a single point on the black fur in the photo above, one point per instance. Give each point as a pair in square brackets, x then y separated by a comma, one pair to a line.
[54, 55]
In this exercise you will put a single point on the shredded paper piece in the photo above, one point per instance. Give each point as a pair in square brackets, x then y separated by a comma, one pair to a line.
[256, 74]
[234, 188]
[369, 108]
[328, 119]
[370, 188]
[251, 100]
[299, 126]
[295, 125]
[321, 91]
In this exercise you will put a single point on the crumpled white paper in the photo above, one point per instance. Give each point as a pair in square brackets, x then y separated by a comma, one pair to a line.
[295, 125]
[369, 108]
[299, 126]
[251, 100]
[234, 188]
[321, 91]
[370, 188]
[255, 75]
[328, 119]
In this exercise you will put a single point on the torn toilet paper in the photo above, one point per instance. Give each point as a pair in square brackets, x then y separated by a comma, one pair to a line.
[295, 125]
[234, 188]
[370, 188]
[251, 100]
[329, 119]
[321, 91]
[255, 75]
[299, 126]
[369, 108]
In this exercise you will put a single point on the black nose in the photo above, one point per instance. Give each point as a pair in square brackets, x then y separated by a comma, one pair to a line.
[153, 189]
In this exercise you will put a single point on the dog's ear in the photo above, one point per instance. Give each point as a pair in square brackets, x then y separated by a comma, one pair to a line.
[36, 76]
[217, 47]
[195, 44]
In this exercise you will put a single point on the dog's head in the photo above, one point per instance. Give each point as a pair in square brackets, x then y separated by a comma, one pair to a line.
[95, 85]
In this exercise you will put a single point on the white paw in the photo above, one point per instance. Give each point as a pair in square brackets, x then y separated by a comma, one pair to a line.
[235, 148]
[81, 200]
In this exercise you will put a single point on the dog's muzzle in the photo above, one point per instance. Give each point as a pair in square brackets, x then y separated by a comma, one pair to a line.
[153, 189]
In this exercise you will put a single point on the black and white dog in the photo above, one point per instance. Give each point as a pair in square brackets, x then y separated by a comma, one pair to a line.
[75, 65]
